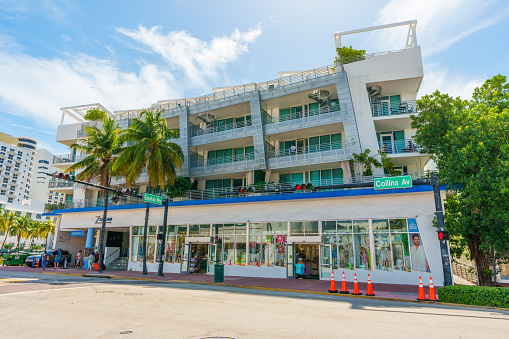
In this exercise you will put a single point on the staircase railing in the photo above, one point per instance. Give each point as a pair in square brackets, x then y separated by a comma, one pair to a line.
[464, 271]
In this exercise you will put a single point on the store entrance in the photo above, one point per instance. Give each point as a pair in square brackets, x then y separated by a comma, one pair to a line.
[198, 258]
[310, 255]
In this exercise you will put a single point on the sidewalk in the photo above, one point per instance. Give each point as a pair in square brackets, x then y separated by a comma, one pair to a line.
[386, 291]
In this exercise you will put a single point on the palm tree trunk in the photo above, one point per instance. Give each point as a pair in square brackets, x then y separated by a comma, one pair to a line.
[5, 239]
[145, 231]
[19, 240]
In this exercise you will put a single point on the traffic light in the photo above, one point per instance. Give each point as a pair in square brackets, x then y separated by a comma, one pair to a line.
[303, 187]
[127, 191]
[64, 176]
[159, 236]
[443, 235]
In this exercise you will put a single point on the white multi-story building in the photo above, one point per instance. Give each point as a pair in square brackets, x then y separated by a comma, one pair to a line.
[248, 146]
[45, 188]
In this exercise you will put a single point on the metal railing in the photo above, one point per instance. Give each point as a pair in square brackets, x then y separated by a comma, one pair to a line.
[329, 146]
[399, 146]
[250, 190]
[464, 271]
[381, 109]
[304, 114]
[196, 130]
[63, 158]
[370, 56]
[222, 160]
[233, 92]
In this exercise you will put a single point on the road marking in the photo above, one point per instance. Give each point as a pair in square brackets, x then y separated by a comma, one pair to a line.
[52, 289]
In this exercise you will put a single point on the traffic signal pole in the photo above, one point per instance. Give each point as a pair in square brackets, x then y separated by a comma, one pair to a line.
[163, 240]
[103, 230]
[444, 250]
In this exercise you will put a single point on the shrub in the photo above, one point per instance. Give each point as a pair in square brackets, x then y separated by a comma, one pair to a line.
[347, 55]
[475, 295]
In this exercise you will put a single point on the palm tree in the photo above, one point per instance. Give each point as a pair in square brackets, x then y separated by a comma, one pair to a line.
[46, 228]
[149, 149]
[102, 147]
[20, 228]
[7, 220]
[33, 231]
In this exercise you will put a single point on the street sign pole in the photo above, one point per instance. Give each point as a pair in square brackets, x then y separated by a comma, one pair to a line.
[446, 263]
[103, 230]
[161, 252]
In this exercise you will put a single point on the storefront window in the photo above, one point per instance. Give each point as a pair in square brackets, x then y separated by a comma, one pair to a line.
[304, 228]
[199, 230]
[383, 257]
[137, 241]
[174, 241]
[266, 241]
[231, 242]
[361, 244]
[418, 256]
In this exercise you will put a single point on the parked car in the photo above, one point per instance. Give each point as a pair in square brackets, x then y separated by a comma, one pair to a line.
[32, 260]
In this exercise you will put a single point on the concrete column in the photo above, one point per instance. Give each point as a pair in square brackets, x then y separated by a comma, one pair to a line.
[258, 136]
[184, 139]
[90, 238]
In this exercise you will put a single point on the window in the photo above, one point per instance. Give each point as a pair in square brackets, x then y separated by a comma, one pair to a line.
[15, 176]
[4, 149]
[7, 168]
[137, 253]
[20, 153]
[29, 214]
[43, 167]
[2, 192]
[38, 216]
[10, 157]
[6, 180]
[231, 240]
[304, 228]
[176, 235]
[267, 244]
[9, 200]
[13, 188]
[43, 162]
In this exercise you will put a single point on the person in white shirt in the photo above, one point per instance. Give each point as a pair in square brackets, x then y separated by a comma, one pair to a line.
[293, 149]
[419, 262]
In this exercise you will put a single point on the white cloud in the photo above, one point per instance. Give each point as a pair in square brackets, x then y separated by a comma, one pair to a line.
[200, 60]
[38, 87]
[439, 23]
[442, 79]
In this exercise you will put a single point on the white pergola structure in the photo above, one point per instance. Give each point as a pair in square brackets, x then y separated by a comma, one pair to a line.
[411, 40]
[78, 112]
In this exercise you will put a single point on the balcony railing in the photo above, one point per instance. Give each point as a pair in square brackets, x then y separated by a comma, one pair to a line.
[252, 190]
[222, 160]
[63, 158]
[399, 146]
[300, 115]
[381, 109]
[305, 149]
[196, 130]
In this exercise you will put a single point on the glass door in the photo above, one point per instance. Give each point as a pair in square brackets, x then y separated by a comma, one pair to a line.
[184, 262]
[290, 272]
[325, 261]
[212, 257]
[386, 142]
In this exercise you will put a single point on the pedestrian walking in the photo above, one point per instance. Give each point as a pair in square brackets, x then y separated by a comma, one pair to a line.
[78, 259]
[44, 260]
[58, 257]
[90, 260]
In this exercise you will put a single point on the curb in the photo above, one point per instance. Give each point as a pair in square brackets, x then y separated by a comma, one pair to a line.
[116, 277]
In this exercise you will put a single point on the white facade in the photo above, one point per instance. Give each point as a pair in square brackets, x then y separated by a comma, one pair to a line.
[300, 128]
[45, 188]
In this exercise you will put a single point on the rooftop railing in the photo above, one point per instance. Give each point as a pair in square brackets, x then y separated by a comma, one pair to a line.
[63, 158]
[399, 146]
[232, 92]
[381, 109]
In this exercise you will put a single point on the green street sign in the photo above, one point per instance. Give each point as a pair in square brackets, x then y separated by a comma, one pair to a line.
[389, 183]
[152, 199]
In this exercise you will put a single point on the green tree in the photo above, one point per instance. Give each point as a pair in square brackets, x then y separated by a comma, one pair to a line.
[102, 146]
[469, 141]
[367, 162]
[149, 148]
[46, 228]
[180, 186]
[21, 227]
[7, 220]
[348, 55]
[95, 114]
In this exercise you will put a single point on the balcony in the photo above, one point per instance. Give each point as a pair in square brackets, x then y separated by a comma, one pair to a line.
[63, 159]
[14, 182]
[399, 146]
[99, 202]
[382, 109]
[226, 164]
[197, 131]
[308, 155]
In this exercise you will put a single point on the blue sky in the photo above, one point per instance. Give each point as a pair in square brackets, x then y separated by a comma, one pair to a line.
[127, 54]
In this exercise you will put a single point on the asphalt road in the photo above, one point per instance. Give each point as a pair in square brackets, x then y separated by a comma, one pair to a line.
[53, 306]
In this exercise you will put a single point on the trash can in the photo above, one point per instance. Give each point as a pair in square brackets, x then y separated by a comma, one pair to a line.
[218, 272]
[14, 259]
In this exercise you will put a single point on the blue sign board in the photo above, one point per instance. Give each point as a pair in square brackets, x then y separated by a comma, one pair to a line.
[77, 233]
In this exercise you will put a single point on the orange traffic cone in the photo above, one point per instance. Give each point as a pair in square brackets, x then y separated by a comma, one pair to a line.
[344, 290]
[421, 296]
[369, 292]
[432, 296]
[355, 285]
[333, 288]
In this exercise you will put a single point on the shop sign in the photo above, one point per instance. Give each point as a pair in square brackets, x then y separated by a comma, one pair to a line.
[152, 199]
[99, 220]
[77, 233]
[403, 181]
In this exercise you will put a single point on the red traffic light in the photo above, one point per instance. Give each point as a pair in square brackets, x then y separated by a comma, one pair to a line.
[60, 175]
[297, 187]
[443, 235]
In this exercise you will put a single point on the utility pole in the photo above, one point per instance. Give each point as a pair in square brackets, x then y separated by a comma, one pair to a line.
[446, 262]
[163, 240]
[103, 230]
